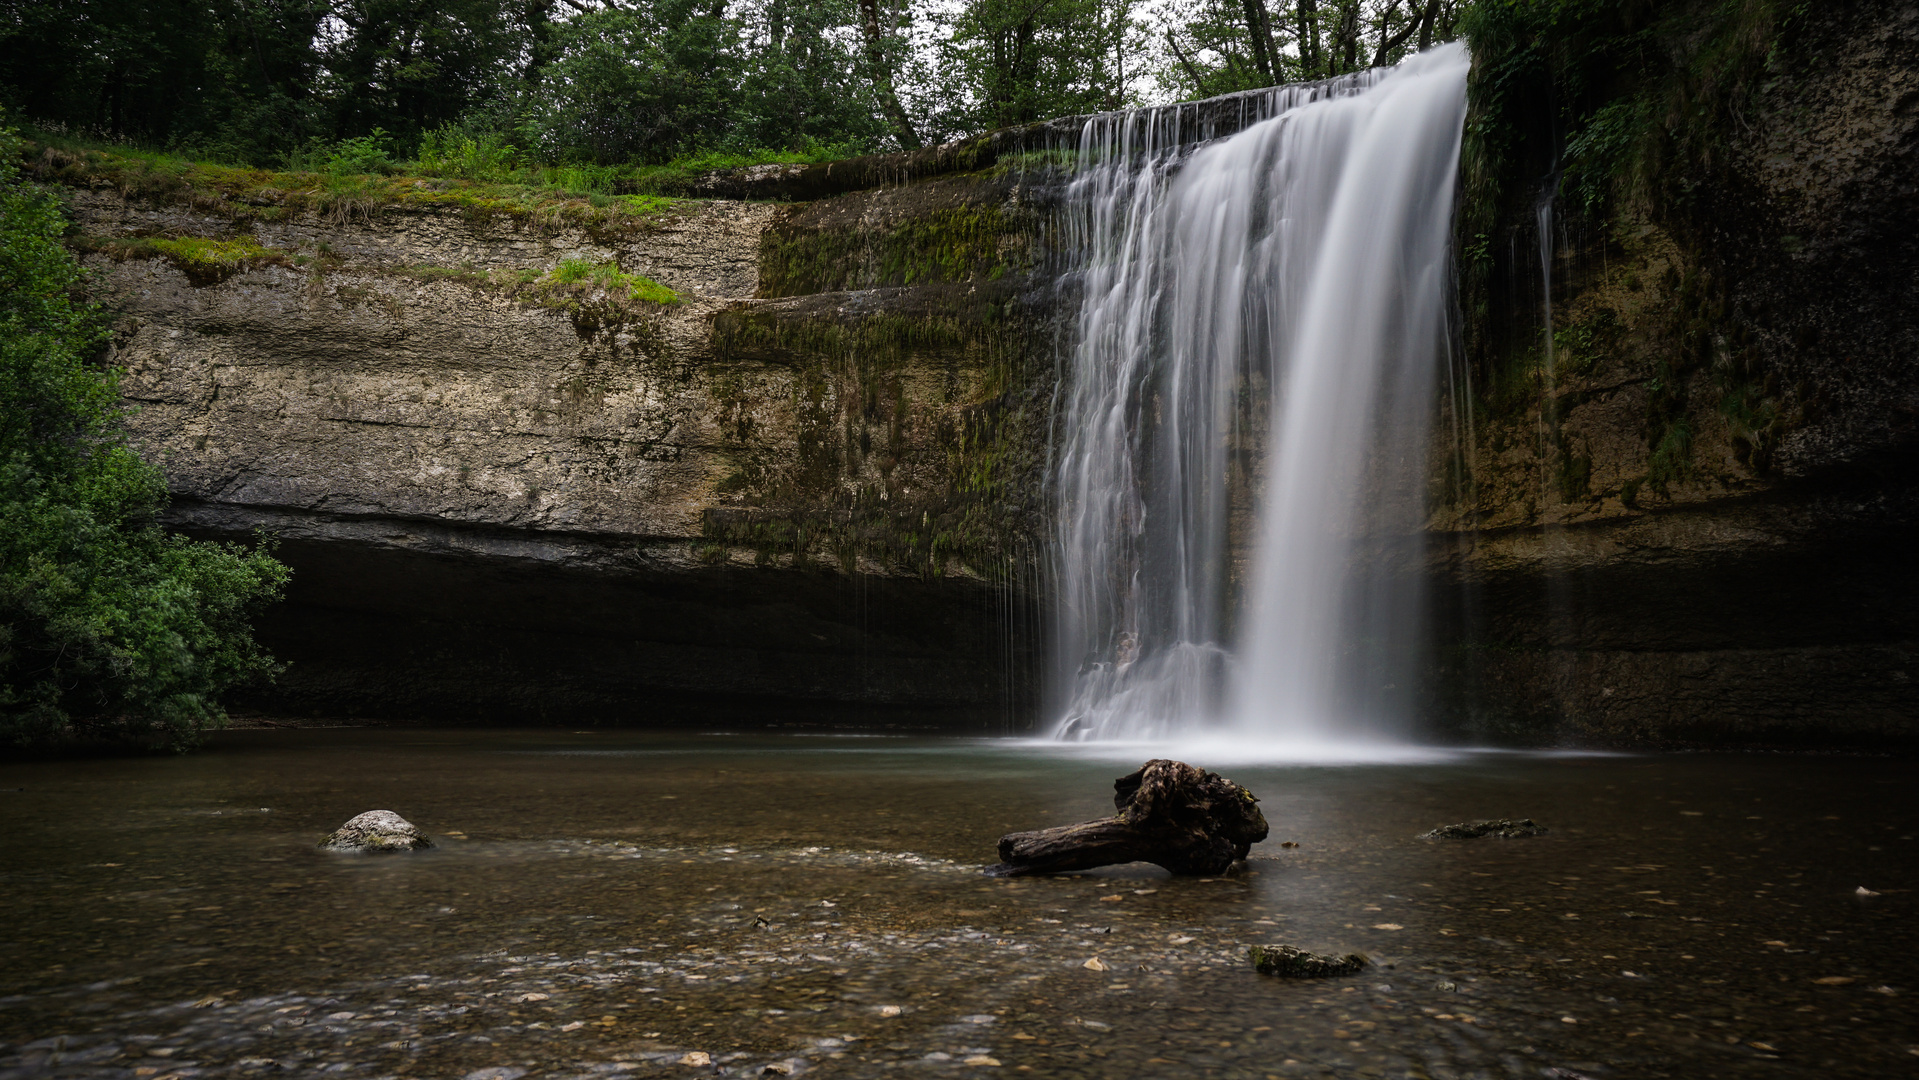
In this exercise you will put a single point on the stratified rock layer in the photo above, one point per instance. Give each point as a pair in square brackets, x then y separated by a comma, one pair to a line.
[505, 499]
[1693, 524]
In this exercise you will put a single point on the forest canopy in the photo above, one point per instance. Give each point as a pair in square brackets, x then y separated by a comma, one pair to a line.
[288, 83]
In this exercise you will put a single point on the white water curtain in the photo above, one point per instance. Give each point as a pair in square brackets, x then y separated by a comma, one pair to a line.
[1284, 290]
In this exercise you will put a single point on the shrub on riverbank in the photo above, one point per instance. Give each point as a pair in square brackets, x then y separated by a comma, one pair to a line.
[109, 627]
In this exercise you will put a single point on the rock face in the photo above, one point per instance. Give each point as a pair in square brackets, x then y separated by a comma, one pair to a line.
[506, 499]
[377, 831]
[1695, 525]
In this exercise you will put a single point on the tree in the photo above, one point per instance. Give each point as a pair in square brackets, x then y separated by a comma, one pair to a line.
[1026, 60]
[408, 66]
[1219, 47]
[804, 79]
[108, 625]
[638, 84]
[882, 47]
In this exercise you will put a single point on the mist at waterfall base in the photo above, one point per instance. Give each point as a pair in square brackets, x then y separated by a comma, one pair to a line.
[1263, 320]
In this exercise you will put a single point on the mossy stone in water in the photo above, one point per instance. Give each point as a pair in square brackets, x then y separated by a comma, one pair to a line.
[1292, 963]
[377, 831]
[1504, 828]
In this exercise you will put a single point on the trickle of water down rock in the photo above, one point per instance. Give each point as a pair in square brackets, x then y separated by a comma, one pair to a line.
[1263, 315]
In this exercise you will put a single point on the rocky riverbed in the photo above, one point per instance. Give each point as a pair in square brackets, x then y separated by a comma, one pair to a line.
[625, 905]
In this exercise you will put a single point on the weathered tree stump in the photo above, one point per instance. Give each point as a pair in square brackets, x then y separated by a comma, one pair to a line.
[1170, 814]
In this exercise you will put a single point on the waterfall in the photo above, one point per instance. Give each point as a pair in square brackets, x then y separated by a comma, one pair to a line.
[1260, 320]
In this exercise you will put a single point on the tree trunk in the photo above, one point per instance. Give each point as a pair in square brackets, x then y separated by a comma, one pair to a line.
[1256, 34]
[1170, 814]
[883, 77]
[1308, 36]
[1426, 25]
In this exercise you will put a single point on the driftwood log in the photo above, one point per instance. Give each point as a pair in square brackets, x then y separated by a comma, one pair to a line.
[1170, 814]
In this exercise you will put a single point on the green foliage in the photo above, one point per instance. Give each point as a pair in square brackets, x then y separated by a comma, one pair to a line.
[641, 85]
[853, 416]
[952, 244]
[1630, 101]
[483, 89]
[204, 260]
[802, 82]
[1671, 459]
[1021, 60]
[1632, 109]
[108, 626]
[1221, 47]
[526, 195]
[609, 278]
[453, 151]
[365, 155]
[1578, 347]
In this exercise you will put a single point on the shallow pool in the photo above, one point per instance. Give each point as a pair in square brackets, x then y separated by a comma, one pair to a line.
[615, 904]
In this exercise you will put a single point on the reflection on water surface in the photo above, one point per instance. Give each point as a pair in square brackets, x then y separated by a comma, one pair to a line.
[618, 904]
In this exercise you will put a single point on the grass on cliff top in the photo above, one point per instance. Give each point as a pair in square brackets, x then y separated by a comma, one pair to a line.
[474, 179]
[577, 196]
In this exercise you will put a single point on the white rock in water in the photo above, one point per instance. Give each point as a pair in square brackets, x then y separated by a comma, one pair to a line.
[377, 830]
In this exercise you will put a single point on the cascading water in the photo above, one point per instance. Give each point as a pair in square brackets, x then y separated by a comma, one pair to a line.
[1260, 323]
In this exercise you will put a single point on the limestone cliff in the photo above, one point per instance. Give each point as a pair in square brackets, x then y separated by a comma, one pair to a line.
[1692, 520]
[513, 485]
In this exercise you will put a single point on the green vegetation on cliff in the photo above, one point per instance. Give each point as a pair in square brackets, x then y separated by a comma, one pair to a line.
[918, 442]
[549, 197]
[109, 627]
[1627, 118]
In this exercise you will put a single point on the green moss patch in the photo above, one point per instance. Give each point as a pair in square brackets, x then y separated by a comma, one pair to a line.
[946, 245]
[572, 274]
[918, 442]
[204, 260]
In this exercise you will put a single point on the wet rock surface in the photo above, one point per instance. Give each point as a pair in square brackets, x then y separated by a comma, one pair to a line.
[375, 832]
[1291, 962]
[1503, 828]
[1691, 530]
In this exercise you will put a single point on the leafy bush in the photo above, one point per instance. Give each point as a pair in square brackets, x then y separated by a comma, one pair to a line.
[108, 625]
[466, 155]
[368, 155]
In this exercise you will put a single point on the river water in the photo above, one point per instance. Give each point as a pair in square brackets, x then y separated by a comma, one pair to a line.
[617, 904]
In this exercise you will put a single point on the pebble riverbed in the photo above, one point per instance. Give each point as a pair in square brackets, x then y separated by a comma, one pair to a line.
[615, 904]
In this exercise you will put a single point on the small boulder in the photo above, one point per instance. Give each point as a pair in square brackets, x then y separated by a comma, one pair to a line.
[1292, 963]
[1504, 828]
[377, 830]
